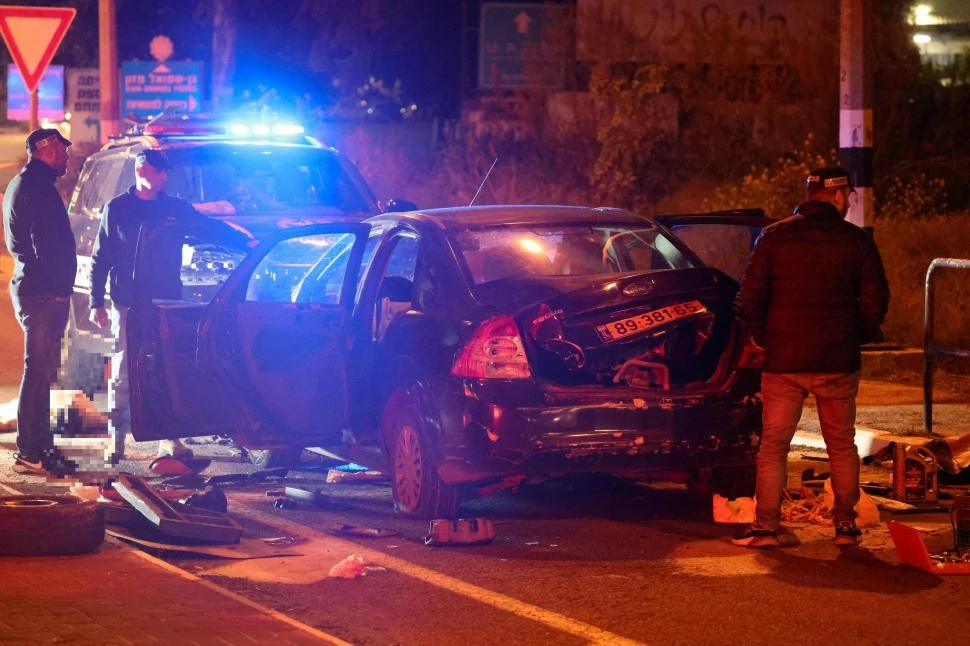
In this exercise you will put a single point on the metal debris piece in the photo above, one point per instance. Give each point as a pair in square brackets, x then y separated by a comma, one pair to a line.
[362, 532]
[172, 520]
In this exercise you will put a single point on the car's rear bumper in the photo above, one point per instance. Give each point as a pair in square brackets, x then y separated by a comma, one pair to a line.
[489, 430]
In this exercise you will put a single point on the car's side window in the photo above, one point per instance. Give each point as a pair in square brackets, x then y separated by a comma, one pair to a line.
[326, 278]
[395, 295]
[281, 276]
[100, 181]
[722, 246]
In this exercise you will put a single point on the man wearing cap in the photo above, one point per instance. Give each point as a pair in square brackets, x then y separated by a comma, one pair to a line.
[38, 236]
[114, 257]
[813, 292]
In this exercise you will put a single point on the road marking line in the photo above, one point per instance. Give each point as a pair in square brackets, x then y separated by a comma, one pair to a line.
[310, 630]
[10, 490]
[495, 599]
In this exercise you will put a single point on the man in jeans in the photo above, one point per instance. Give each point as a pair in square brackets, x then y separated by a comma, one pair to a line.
[114, 256]
[813, 292]
[38, 236]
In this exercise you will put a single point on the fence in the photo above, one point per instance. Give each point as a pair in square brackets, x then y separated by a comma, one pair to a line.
[930, 349]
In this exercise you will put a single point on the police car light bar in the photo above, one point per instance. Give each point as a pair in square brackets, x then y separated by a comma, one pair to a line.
[264, 129]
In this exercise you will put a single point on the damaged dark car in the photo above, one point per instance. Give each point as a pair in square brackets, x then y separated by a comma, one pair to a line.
[461, 347]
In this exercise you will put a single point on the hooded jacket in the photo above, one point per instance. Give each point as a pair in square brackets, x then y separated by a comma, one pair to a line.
[814, 291]
[38, 234]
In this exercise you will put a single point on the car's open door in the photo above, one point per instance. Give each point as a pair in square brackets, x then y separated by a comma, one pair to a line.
[723, 239]
[250, 359]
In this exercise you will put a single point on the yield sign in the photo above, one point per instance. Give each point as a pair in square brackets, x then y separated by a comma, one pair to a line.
[32, 35]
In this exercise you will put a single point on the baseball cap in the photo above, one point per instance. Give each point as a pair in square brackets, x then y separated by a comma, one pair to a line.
[44, 137]
[154, 157]
[826, 178]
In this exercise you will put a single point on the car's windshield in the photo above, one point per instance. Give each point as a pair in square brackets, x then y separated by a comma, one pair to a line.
[509, 251]
[228, 179]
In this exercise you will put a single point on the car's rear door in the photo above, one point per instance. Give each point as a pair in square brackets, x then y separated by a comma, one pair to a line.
[723, 240]
[252, 360]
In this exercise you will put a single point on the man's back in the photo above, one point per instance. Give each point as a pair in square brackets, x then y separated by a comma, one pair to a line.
[814, 292]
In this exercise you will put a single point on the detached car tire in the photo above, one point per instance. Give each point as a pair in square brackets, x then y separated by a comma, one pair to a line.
[49, 525]
[418, 490]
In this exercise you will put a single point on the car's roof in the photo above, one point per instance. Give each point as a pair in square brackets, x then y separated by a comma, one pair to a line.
[460, 217]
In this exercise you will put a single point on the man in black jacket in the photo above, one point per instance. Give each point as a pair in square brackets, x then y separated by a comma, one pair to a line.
[814, 290]
[114, 257]
[38, 236]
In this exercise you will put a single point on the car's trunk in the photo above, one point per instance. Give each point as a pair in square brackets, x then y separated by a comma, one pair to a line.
[662, 331]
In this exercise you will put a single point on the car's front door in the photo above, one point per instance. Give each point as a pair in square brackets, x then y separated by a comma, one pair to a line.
[253, 360]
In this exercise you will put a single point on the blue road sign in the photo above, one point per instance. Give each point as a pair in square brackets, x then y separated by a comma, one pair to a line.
[50, 95]
[518, 46]
[148, 88]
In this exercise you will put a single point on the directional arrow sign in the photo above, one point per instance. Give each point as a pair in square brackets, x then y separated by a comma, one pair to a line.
[32, 35]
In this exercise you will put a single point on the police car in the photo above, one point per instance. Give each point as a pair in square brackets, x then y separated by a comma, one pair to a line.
[261, 177]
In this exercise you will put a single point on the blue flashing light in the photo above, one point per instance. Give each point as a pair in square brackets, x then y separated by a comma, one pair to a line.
[287, 129]
[246, 130]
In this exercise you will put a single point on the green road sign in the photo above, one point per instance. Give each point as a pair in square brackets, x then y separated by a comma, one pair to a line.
[520, 46]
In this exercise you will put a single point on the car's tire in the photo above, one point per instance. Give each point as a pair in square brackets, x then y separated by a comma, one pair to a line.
[272, 458]
[49, 525]
[418, 490]
[80, 370]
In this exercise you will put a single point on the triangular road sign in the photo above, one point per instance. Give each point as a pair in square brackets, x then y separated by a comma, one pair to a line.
[32, 35]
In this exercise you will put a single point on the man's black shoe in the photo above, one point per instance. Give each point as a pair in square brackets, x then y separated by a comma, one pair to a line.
[27, 466]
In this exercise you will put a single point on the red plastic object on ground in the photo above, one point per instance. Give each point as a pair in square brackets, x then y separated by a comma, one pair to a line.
[912, 551]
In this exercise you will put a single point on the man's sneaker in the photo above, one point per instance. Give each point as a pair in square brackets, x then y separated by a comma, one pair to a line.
[846, 533]
[24, 465]
[754, 536]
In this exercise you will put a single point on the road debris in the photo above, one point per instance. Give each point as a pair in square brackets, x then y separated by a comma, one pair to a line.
[181, 521]
[349, 568]
[912, 551]
[246, 548]
[464, 531]
[362, 532]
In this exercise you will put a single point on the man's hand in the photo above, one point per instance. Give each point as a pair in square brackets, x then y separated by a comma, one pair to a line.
[99, 316]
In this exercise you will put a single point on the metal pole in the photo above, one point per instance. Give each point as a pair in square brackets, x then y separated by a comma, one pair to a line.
[855, 106]
[34, 119]
[108, 62]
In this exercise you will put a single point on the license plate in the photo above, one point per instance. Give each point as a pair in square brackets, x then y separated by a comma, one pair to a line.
[628, 326]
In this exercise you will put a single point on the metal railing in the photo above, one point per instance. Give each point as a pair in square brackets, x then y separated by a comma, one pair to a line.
[930, 349]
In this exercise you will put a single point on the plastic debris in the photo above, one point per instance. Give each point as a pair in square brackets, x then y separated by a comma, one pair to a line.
[738, 510]
[464, 531]
[350, 568]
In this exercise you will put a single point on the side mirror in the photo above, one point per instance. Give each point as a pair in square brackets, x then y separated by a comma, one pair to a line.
[395, 205]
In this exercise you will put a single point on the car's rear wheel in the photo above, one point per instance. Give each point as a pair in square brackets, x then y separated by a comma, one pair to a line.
[418, 490]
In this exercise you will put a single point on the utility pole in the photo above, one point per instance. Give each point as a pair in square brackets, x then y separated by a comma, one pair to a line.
[855, 106]
[108, 62]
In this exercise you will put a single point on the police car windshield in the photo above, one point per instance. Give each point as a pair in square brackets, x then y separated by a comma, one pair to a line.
[251, 179]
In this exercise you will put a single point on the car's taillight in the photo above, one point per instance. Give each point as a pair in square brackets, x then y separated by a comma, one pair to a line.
[752, 356]
[494, 352]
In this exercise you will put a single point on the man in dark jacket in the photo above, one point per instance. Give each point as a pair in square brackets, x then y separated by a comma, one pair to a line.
[38, 235]
[114, 258]
[814, 290]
